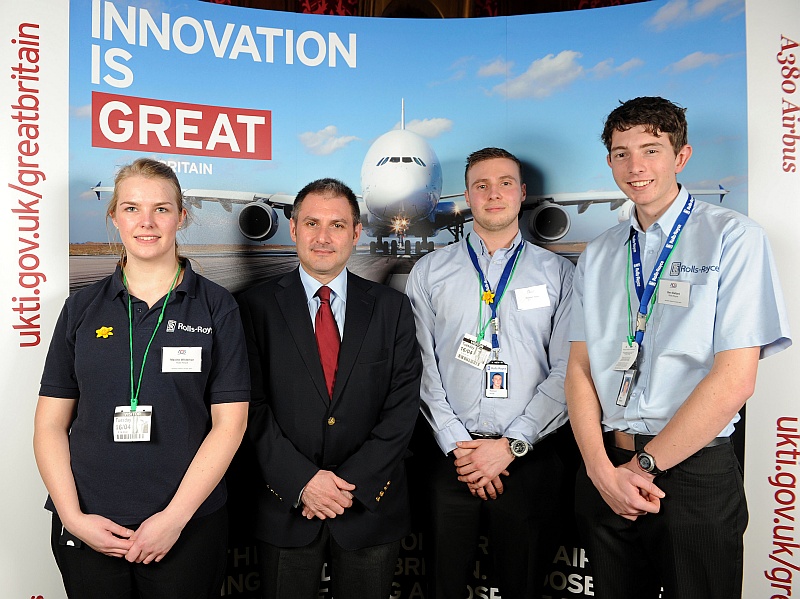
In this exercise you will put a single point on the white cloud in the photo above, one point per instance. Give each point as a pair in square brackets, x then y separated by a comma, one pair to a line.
[693, 61]
[325, 141]
[672, 12]
[604, 69]
[544, 76]
[495, 68]
[633, 63]
[677, 12]
[429, 128]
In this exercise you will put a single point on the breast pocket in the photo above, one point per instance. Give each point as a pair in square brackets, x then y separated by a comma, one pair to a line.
[689, 329]
[372, 357]
[526, 325]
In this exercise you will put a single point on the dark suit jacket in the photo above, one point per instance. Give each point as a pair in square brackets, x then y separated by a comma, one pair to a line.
[361, 434]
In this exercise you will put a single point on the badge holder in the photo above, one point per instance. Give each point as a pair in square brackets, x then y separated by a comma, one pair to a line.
[627, 363]
[496, 379]
[626, 387]
[473, 352]
[132, 425]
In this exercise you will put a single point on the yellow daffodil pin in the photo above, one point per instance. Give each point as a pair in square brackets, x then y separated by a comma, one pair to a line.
[104, 332]
[488, 297]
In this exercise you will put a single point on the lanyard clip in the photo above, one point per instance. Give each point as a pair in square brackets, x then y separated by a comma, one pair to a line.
[641, 322]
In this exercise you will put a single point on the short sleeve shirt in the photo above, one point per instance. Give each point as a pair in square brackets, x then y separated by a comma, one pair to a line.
[89, 362]
[734, 301]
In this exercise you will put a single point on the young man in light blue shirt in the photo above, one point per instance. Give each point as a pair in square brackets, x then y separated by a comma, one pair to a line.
[672, 312]
[491, 314]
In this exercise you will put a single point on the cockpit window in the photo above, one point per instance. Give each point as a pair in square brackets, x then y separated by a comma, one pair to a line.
[419, 160]
[406, 159]
[394, 159]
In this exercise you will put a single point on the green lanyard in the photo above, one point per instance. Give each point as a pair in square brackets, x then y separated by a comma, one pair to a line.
[631, 319]
[135, 394]
[482, 297]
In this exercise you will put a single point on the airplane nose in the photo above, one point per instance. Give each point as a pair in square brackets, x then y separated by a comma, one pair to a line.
[399, 192]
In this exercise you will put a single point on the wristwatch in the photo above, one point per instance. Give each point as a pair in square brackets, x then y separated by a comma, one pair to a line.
[518, 447]
[648, 463]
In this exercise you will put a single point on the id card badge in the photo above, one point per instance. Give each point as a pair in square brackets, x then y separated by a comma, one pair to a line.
[132, 426]
[626, 387]
[181, 359]
[472, 352]
[496, 379]
[627, 357]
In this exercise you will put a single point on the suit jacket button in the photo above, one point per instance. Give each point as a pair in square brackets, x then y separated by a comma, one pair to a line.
[331, 421]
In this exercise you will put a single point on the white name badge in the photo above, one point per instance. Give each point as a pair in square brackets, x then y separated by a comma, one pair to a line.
[181, 359]
[627, 356]
[473, 353]
[529, 298]
[132, 426]
[674, 293]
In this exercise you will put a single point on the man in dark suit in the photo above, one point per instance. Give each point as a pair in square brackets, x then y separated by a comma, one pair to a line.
[335, 372]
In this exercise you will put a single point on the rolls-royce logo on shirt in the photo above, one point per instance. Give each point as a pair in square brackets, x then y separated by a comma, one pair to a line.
[678, 268]
[173, 326]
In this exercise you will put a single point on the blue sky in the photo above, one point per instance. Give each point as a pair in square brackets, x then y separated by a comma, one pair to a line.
[538, 85]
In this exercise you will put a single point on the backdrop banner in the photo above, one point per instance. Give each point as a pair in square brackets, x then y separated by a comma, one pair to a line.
[247, 106]
[772, 541]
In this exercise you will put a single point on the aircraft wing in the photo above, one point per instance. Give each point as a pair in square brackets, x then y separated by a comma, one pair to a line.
[224, 197]
[227, 198]
[615, 199]
[453, 211]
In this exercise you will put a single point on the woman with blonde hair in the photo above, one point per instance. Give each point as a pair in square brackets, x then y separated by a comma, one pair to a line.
[143, 403]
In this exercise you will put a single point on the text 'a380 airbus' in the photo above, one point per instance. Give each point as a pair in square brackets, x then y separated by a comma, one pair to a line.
[401, 197]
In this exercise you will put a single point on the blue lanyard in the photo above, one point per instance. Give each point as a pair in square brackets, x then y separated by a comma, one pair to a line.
[499, 292]
[645, 291]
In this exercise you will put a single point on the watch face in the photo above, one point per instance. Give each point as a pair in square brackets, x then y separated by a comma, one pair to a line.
[645, 463]
[519, 448]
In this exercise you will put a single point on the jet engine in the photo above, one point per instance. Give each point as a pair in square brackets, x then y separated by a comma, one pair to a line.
[625, 211]
[548, 222]
[258, 221]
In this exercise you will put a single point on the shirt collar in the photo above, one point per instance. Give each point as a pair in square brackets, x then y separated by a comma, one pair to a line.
[188, 284]
[670, 216]
[484, 252]
[337, 285]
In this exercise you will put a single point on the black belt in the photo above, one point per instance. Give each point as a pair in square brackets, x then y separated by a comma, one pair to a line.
[637, 442]
[485, 435]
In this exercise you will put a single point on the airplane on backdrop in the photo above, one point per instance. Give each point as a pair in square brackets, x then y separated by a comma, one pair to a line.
[401, 189]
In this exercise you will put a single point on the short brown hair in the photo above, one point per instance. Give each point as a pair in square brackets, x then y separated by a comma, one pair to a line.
[488, 154]
[655, 114]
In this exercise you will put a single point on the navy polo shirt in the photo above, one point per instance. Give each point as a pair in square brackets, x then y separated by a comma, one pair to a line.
[89, 361]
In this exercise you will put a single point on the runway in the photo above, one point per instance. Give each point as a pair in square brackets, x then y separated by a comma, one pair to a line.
[238, 270]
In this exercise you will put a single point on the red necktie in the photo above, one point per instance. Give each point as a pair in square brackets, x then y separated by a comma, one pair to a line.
[327, 337]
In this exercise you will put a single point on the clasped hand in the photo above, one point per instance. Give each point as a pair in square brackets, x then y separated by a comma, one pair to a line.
[326, 496]
[629, 491]
[480, 463]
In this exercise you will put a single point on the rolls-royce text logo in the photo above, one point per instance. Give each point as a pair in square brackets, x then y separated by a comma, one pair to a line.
[173, 325]
[677, 268]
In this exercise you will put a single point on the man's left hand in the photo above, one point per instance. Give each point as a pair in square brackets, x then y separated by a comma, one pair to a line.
[488, 459]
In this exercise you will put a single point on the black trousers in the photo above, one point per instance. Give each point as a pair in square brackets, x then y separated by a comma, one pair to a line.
[520, 523]
[693, 546]
[192, 569]
[295, 572]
